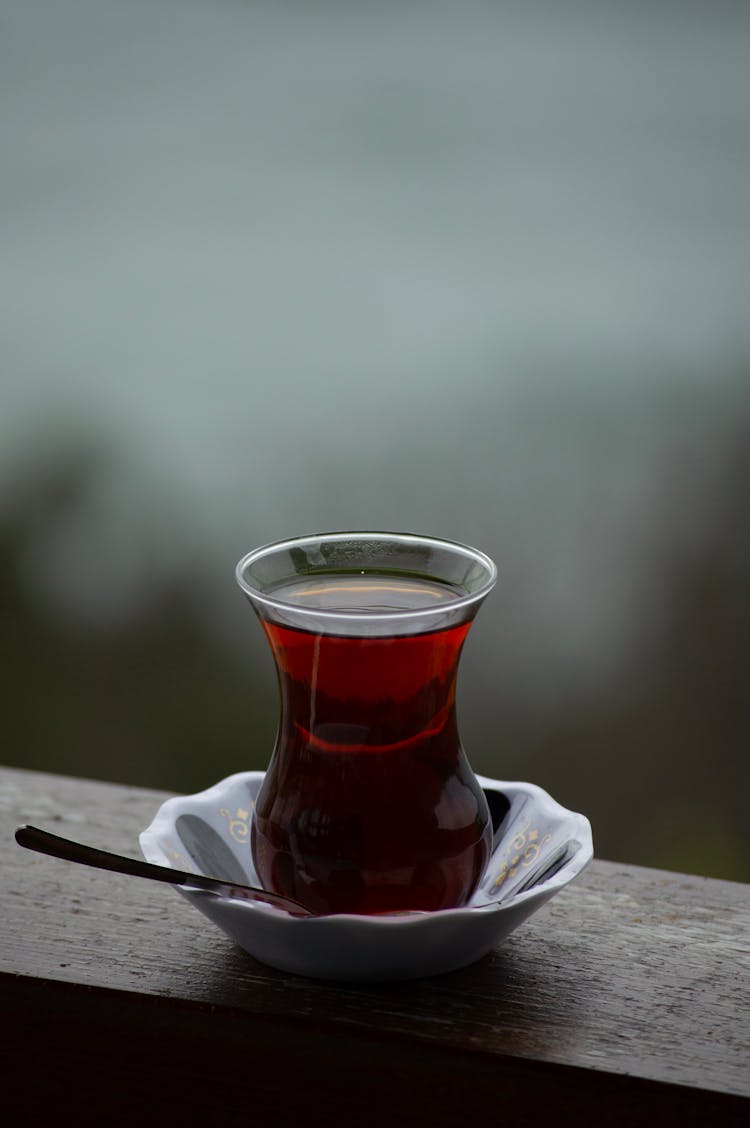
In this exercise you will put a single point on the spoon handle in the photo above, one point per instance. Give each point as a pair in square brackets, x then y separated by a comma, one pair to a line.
[56, 847]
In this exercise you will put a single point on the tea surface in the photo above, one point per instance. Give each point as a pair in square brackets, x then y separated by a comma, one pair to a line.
[364, 593]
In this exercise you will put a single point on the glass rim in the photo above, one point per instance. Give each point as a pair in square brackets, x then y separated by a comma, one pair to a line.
[332, 615]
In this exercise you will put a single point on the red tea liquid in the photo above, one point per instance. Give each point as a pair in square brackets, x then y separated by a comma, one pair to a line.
[369, 804]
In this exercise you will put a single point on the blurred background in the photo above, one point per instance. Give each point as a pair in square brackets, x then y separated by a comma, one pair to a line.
[479, 270]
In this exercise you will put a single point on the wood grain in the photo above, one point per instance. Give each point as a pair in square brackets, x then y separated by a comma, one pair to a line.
[631, 986]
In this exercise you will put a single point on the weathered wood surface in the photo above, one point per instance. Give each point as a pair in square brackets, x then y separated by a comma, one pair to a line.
[632, 987]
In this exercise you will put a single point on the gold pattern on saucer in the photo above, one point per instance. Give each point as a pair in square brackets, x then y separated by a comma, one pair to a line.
[239, 823]
[522, 850]
[180, 861]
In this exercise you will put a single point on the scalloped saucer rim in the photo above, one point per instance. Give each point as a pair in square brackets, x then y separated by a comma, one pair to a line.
[356, 947]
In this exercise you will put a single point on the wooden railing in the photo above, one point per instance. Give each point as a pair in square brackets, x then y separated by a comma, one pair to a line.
[623, 1001]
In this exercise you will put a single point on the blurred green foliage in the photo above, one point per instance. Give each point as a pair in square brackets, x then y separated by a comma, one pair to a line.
[152, 699]
[157, 699]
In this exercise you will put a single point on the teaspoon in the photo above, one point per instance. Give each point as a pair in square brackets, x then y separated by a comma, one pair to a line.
[56, 847]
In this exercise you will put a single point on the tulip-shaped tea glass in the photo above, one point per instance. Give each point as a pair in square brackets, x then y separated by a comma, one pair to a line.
[369, 804]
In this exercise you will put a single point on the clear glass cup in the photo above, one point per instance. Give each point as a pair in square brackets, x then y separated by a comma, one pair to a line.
[369, 804]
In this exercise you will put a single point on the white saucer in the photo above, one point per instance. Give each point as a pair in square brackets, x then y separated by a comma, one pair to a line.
[539, 847]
